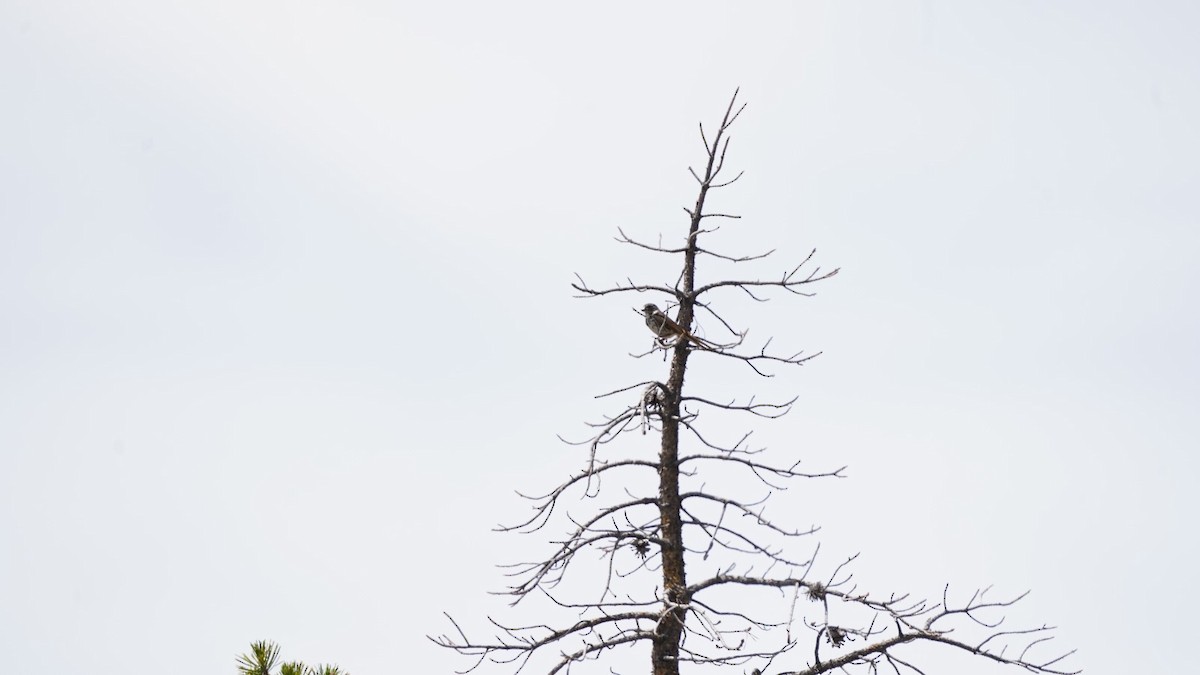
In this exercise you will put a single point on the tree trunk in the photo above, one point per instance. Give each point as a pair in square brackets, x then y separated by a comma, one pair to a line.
[665, 652]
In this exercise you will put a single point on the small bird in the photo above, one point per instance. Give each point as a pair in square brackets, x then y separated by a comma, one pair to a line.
[665, 327]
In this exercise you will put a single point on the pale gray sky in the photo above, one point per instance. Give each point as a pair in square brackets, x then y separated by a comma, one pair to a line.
[286, 315]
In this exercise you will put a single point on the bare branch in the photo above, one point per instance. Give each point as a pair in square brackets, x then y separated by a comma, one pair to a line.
[589, 292]
[789, 281]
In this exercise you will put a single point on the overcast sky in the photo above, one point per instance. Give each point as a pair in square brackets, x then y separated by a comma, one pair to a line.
[286, 315]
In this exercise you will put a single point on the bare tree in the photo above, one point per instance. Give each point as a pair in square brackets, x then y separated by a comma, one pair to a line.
[634, 549]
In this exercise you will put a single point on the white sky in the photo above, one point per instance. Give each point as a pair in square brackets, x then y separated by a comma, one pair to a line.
[286, 315]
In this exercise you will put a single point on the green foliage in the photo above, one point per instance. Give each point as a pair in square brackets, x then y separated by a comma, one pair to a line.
[260, 660]
[265, 654]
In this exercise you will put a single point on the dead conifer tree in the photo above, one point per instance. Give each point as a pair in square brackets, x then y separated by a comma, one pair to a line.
[748, 605]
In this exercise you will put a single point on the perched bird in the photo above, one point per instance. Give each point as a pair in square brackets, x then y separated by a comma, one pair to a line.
[665, 327]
